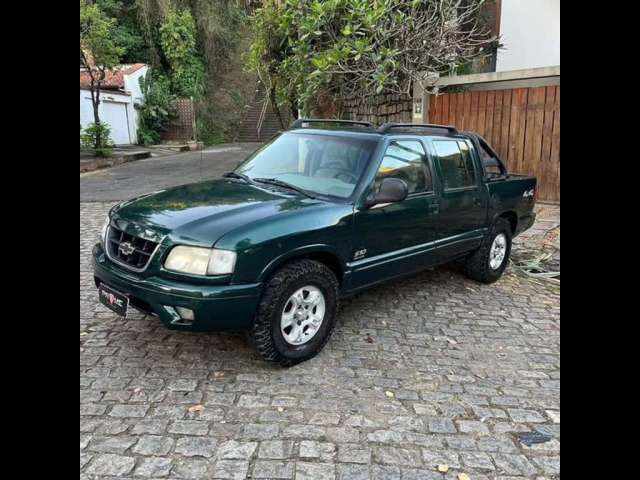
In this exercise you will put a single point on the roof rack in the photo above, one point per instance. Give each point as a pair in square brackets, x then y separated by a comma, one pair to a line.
[387, 127]
[299, 123]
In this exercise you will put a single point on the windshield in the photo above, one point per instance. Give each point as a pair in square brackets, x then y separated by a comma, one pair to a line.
[322, 164]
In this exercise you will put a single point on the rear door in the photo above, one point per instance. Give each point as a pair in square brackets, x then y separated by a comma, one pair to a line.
[464, 199]
[396, 238]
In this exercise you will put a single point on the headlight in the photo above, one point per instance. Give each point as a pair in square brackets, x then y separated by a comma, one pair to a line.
[200, 261]
[221, 262]
[103, 230]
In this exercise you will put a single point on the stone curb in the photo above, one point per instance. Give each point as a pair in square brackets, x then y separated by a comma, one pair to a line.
[97, 163]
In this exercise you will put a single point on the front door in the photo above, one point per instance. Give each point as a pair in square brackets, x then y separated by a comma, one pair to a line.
[463, 208]
[392, 239]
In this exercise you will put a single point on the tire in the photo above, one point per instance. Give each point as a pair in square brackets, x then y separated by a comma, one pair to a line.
[478, 265]
[267, 335]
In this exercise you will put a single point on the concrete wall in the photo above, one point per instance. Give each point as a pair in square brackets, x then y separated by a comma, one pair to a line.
[530, 31]
[132, 85]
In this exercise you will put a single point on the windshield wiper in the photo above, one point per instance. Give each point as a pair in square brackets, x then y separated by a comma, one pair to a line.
[281, 183]
[240, 176]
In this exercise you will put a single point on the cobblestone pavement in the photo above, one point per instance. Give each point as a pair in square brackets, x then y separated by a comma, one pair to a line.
[432, 370]
[541, 241]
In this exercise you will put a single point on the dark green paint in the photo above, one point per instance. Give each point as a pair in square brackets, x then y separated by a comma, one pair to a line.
[217, 307]
[267, 227]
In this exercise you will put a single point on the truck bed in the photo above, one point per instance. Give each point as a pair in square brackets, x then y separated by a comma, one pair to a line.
[515, 193]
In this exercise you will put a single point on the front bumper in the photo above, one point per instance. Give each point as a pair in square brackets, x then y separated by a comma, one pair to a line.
[216, 307]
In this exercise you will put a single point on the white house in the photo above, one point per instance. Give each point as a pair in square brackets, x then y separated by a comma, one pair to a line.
[530, 31]
[118, 95]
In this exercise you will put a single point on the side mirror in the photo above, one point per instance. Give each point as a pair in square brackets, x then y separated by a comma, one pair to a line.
[392, 190]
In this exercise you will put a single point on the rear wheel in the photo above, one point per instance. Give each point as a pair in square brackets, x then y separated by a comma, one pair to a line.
[297, 312]
[487, 264]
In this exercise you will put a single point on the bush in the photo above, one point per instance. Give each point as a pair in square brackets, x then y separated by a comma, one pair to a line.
[96, 137]
[158, 109]
[210, 134]
[313, 51]
[178, 37]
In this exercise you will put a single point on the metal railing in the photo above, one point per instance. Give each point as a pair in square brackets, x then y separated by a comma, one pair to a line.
[263, 114]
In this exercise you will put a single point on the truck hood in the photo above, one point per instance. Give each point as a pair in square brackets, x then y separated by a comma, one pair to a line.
[200, 213]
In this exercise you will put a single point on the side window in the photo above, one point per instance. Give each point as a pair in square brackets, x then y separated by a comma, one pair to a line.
[456, 163]
[406, 159]
[491, 164]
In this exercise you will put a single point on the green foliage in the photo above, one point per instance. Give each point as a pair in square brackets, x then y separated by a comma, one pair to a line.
[307, 49]
[158, 109]
[178, 42]
[218, 28]
[220, 33]
[98, 53]
[229, 90]
[97, 138]
[127, 33]
[97, 46]
[210, 134]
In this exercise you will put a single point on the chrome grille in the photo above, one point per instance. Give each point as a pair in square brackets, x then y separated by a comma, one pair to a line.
[129, 250]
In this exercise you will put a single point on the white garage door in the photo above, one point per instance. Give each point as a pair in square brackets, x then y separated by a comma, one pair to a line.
[115, 114]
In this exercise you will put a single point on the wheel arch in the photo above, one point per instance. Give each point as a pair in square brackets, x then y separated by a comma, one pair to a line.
[511, 217]
[321, 253]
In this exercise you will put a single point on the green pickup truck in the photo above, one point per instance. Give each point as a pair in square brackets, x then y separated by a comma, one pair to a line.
[326, 209]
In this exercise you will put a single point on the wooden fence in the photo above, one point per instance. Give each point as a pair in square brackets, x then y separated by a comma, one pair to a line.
[522, 125]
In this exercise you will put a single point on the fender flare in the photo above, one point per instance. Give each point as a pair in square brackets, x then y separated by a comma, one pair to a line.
[301, 252]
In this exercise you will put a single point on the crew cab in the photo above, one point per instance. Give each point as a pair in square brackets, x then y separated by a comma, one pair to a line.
[326, 209]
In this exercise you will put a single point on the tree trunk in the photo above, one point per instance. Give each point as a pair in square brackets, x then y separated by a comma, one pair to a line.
[96, 120]
[95, 102]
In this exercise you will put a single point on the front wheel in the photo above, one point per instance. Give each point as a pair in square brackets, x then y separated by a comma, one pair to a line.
[487, 264]
[297, 312]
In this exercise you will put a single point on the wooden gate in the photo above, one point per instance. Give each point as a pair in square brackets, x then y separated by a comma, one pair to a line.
[522, 125]
[182, 128]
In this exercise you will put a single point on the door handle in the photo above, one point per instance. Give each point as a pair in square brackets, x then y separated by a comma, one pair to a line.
[434, 208]
[477, 201]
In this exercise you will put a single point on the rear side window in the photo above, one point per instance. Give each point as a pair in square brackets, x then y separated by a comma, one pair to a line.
[405, 159]
[492, 166]
[456, 163]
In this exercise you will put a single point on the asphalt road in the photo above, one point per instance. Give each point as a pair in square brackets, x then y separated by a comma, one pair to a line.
[143, 176]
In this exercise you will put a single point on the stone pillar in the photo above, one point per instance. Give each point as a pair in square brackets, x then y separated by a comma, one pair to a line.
[420, 105]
